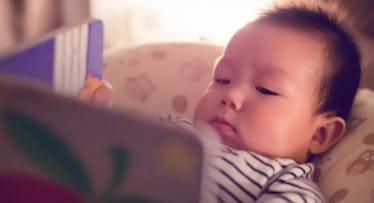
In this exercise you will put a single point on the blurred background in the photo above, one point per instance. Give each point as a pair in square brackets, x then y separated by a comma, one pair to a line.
[135, 22]
[132, 22]
[128, 22]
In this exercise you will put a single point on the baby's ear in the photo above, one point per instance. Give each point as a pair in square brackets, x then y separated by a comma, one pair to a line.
[329, 130]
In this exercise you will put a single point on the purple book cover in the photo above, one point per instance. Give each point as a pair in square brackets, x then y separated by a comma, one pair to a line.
[61, 59]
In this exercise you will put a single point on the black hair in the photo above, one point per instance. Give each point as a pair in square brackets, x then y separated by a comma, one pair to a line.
[341, 76]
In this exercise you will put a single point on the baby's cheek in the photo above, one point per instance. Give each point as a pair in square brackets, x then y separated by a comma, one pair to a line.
[199, 115]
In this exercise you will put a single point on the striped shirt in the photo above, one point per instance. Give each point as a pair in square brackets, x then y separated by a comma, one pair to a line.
[243, 176]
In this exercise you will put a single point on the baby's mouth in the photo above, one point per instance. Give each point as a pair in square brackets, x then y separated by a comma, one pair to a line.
[223, 127]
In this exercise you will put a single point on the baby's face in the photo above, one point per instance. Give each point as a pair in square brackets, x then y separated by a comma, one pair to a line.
[264, 91]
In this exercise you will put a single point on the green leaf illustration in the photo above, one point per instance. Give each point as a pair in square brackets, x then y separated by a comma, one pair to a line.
[120, 166]
[45, 149]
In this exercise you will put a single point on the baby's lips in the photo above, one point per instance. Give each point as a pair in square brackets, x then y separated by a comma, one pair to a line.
[223, 127]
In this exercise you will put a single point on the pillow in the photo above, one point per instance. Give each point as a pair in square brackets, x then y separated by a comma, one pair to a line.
[158, 79]
[346, 172]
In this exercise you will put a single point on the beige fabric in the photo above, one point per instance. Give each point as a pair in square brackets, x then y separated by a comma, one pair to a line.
[160, 78]
[346, 172]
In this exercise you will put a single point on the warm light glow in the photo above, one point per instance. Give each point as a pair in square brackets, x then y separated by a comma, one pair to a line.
[213, 20]
[143, 21]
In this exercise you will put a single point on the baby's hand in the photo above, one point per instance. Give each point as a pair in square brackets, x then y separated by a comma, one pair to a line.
[96, 91]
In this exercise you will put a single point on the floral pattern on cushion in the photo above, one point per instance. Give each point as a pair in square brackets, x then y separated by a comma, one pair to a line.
[346, 172]
[158, 79]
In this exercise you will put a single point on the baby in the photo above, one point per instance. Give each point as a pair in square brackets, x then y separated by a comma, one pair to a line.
[280, 93]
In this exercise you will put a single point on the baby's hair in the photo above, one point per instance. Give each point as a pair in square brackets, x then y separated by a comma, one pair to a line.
[341, 76]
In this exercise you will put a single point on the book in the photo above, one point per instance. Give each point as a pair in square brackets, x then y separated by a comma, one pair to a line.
[61, 59]
[56, 149]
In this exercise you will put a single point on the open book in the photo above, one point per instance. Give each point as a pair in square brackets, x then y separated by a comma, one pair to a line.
[56, 149]
[61, 59]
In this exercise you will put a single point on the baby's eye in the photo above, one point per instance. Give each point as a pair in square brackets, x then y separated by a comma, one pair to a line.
[266, 91]
[222, 81]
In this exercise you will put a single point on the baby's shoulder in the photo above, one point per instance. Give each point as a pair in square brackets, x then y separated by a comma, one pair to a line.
[296, 170]
[296, 179]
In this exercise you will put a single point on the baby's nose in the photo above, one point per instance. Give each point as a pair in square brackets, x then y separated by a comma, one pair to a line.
[233, 100]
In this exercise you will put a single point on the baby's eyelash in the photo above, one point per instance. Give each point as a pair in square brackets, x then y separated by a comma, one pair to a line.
[222, 81]
[266, 91]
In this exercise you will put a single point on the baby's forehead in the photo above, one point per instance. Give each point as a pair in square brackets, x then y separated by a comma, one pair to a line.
[322, 41]
[280, 36]
[276, 47]
[308, 32]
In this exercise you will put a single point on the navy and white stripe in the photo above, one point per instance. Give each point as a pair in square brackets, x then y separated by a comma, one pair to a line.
[244, 176]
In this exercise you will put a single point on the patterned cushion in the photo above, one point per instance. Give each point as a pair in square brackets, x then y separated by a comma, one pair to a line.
[346, 172]
[159, 79]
